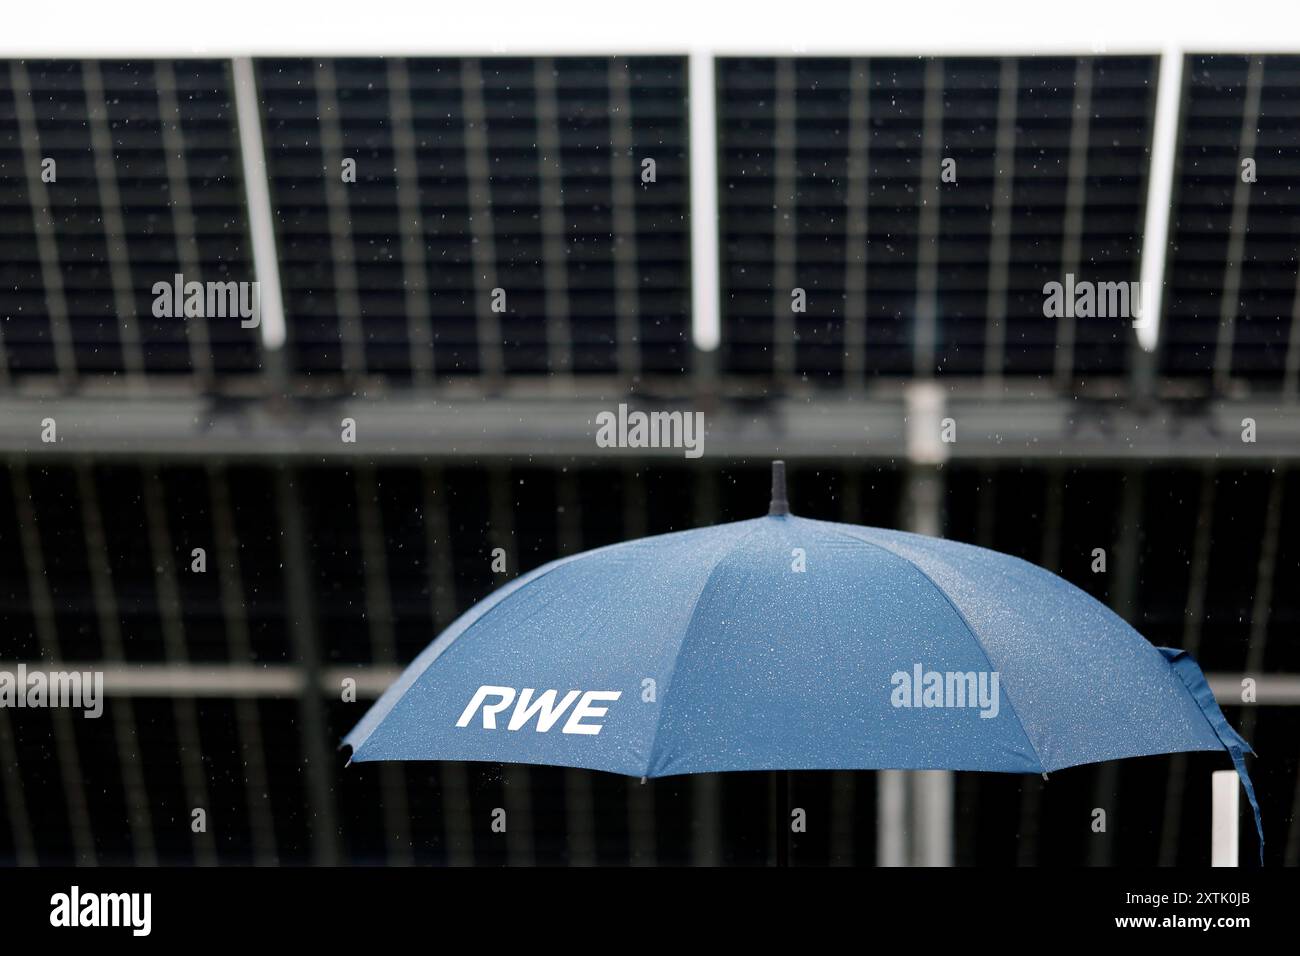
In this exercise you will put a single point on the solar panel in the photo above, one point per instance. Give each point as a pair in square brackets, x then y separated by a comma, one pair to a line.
[833, 183]
[1232, 309]
[120, 174]
[498, 223]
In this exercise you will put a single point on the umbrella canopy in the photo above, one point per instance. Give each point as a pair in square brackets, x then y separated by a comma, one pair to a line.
[784, 643]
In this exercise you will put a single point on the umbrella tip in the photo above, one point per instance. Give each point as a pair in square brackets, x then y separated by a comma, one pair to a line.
[779, 505]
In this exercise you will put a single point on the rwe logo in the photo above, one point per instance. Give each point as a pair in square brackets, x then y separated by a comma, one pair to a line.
[544, 709]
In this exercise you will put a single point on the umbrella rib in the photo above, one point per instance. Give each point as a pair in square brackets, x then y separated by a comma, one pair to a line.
[686, 632]
[960, 616]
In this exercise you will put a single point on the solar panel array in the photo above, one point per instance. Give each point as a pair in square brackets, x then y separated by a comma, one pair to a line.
[527, 176]
[524, 175]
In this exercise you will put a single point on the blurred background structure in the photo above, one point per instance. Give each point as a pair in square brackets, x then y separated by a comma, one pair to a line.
[328, 560]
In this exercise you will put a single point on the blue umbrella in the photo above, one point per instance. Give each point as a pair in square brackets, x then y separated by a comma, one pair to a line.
[784, 643]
